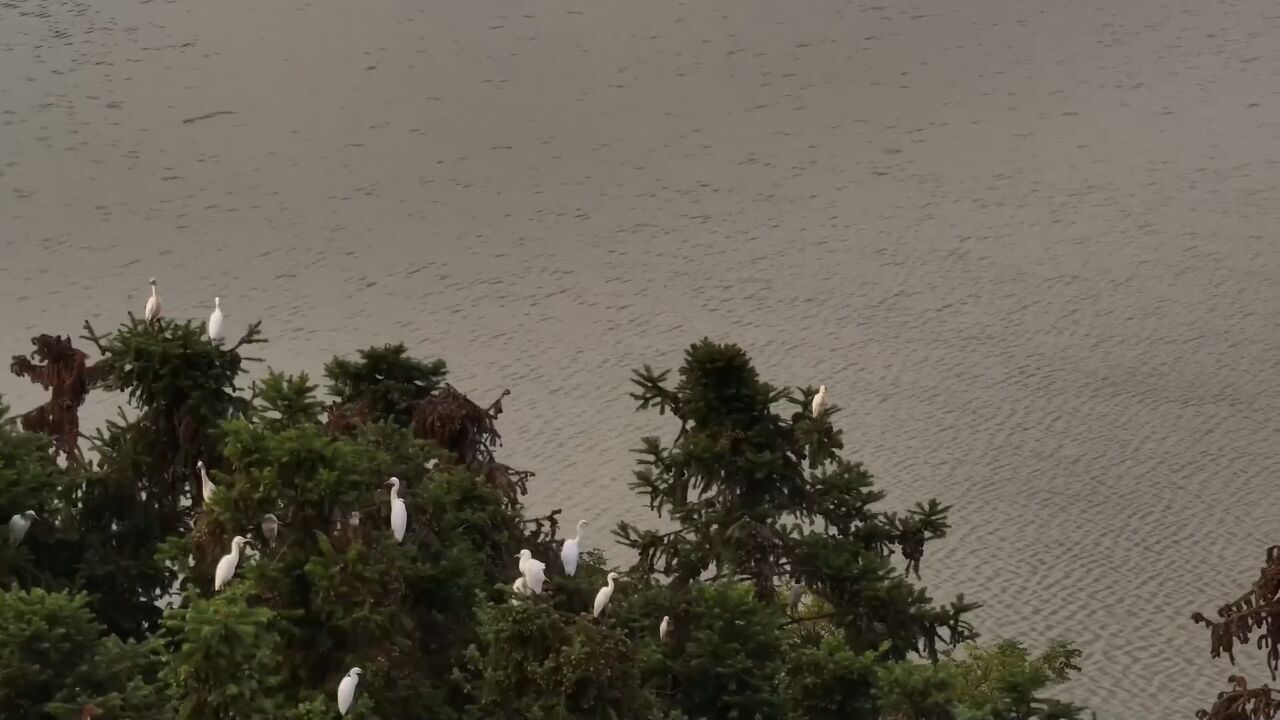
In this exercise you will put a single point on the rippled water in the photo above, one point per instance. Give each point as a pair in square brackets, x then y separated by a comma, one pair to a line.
[1030, 245]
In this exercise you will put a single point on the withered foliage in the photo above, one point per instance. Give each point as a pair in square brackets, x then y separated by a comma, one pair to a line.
[456, 423]
[1255, 616]
[451, 420]
[65, 371]
[1243, 703]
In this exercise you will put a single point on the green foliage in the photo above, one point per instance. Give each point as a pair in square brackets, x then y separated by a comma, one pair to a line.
[55, 657]
[831, 682]
[225, 660]
[754, 491]
[538, 664]
[758, 496]
[1005, 681]
[385, 382]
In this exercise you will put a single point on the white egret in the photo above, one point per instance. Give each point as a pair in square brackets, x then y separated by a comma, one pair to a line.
[347, 690]
[227, 565]
[795, 596]
[664, 627]
[520, 586]
[569, 553]
[215, 320]
[270, 527]
[354, 520]
[536, 576]
[206, 485]
[819, 401]
[602, 597]
[19, 525]
[534, 572]
[399, 513]
[153, 304]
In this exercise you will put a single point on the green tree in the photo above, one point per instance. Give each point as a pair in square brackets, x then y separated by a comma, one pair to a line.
[760, 497]
[55, 658]
[383, 384]
[112, 598]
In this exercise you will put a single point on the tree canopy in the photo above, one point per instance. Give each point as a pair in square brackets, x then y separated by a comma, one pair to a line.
[790, 594]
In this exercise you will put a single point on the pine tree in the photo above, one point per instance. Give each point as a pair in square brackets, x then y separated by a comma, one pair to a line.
[759, 497]
[109, 599]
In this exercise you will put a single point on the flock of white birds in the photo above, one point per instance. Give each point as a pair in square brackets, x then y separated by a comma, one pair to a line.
[532, 572]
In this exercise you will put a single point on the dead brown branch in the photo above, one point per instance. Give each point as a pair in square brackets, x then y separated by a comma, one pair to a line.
[451, 420]
[65, 371]
[1254, 616]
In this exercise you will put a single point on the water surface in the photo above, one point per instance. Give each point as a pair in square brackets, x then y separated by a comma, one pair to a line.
[1030, 245]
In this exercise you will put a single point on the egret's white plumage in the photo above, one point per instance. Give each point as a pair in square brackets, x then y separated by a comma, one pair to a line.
[206, 485]
[153, 304]
[536, 575]
[227, 565]
[354, 520]
[19, 525]
[569, 553]
[795, 596]
[819, 401]
[270, 527]
[215, 320]
[347, 690]
[399, 513]
[533, 572]
[602, 597]
[520, 586]
[664, 627]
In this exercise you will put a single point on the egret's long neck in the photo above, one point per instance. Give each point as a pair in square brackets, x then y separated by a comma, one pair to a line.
[611, 586]
[235, 551]
[395, 495]
[153, 291]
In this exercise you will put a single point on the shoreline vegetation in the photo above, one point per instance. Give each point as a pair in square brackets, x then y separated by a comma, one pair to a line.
[782, 592]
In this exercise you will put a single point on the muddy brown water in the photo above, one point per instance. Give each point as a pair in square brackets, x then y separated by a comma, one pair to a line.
[1029, 245]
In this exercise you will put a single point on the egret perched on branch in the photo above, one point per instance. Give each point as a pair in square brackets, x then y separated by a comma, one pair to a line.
[533, 572]
[795, 596]
[602, 597]
[206, 485]
[519, 587]
[569, 553]
[270, 527]
[347, 690]
[227, 565]
[215, 320]
[819, 401]
[664, 627]
[399, 513]
[152, 310]
[19, 525]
